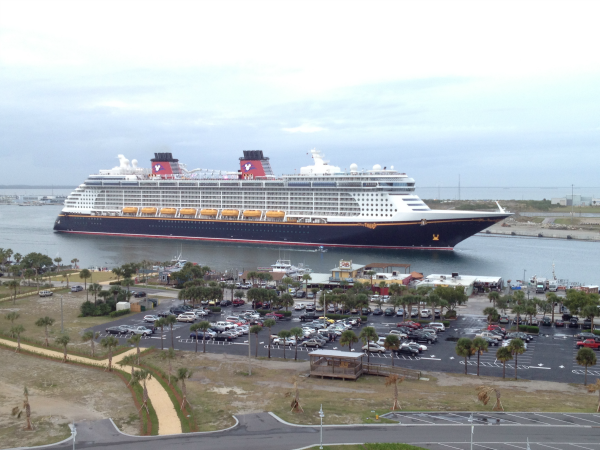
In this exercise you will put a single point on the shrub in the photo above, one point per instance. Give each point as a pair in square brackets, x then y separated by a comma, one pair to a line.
[596, 332]
[446, 323]
[344, 316]
[215, 309]
[450, 314]
[286, 313]
[115, 283]
[119, 313]
[87, 308]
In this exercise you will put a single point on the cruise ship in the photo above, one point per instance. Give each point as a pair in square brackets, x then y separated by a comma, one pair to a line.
[322, 205]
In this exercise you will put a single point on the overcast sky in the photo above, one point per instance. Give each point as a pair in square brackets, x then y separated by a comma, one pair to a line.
[503, 93]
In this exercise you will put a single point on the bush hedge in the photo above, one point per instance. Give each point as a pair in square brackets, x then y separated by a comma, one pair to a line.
[115, 283]
[345, 316]
[446, 323]
[596, 332]
[526, 329]
[450, 314]
[120, 313]
[214, 309]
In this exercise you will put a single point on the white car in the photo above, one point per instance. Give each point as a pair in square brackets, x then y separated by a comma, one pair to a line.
[150, 318]
[374, 347]
[299, 306]
[288, 341]
[438, 326]
[425, 313]
[45, 293]
[398, 333]
[421, 347]
[200, 312]
[487, 334]
[186, 317]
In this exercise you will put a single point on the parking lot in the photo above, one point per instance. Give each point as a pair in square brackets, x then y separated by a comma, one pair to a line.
[549, 356]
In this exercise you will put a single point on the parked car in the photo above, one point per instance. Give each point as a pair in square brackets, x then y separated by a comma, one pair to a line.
[438, 326]
[166, 313]
[223, 337]
[574, 322]
[400, 334]
[46, 293]
[150, 318]
[546, 321]
[400, 312]
[144, 331]
[226, 303]
[504, 320]
[389, 311]
[209, 335]
[559, 323]
[582, 336]
[186, 318]
[281, 341]
[407, 350]
[374, 348]
[589, 343]
[493, 327]
[492, 342]
[420, 347]
[489, 334]
[365, 311]
[313, 343]
[377, 312]
[115, 330]
[299, 306]
[76, 288]
[238, 302]
[425, 313]
[139, 294]
[507, 343]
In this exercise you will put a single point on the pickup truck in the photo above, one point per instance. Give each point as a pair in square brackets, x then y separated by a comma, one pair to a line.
[225, 325]
[589, 343]
[488, 334]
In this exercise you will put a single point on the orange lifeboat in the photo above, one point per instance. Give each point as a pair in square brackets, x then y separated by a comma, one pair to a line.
[275, 214]
[252, 213]
[187, 212]
[208, 212]
[130, 210]
[148, 210]
[230, 213]
[168, 211]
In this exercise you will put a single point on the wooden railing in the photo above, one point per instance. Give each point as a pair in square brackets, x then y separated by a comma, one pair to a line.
[385, 370]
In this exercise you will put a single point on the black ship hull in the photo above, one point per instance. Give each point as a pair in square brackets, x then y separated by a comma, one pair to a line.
[434, 235]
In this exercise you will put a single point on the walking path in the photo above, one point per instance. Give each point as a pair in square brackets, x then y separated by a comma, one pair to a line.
[168, 421]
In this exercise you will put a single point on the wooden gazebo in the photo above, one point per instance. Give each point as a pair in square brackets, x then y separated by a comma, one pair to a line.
[336, 364]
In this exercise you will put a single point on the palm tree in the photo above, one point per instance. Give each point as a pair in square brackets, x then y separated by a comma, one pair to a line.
[494, 296]
[269, 323]
[306, 278]
[90, 336]
[109, 342]
[368, 334]
[171, 320]
[135, 340]
[203, 326]
[595, 388]
[74, 261]
[287, 300]
[58, 260]
[552, 299]
[128, 360]
[84, 275]
[255, 329]
[169, 355]
[371, 274]
[585, 357]
[161, 323]
[490, 313]
[464, 348]
[12, 284]
[284, 335]
[140, 377]
[516, 348]
[95, 288]
[479, 346]
[127, 282]
[183, 373]
[26, 408]
[297, 333]
[393, 380]
[503, 354]
[590, 311]
[118, 272]
[195, 328]
[518, 310]
[348, 338]
[45, 322]
[16, 331]
[63, 340]
[104, 295]
[286, 281]
[484, 395]
[392, 343]
[12, 316]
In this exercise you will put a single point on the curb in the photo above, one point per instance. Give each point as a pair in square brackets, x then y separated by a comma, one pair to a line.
[48, 445]
[237, 422]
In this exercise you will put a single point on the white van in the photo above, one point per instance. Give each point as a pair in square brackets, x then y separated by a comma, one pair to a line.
[438, 326]
[46, 293]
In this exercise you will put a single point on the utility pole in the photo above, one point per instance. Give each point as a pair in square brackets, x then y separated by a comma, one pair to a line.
[459, 186]
[572, 205]
[62, 325]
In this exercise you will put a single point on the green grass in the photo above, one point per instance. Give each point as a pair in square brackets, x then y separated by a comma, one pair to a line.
[144, 416]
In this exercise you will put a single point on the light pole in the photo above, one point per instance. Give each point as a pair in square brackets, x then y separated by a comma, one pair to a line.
[62, 327]
[472, 429]
[321, 415]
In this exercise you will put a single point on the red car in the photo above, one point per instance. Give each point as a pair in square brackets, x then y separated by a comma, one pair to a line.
[589, 343]
[409, 324]
[559, 323]
[238, 302]
[275, 316]
[496, 327]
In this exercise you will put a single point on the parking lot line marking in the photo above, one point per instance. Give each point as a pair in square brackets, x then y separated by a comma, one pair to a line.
[581, 418]
[414, 418]
[526, 418]
[446, 445]
[575, 445]
[432, 359]
[443, 418]
[546, 445]
[536, 367]
[512, 445]
[494, 417]
[548, 417]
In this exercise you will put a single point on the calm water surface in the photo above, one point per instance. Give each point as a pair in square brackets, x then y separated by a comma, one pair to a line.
[27, 229]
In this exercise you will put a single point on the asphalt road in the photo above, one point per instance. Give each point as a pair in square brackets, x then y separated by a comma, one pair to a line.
[263, 432]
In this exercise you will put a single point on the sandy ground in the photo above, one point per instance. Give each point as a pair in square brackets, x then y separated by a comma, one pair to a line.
[58, 394]
[168, 421]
